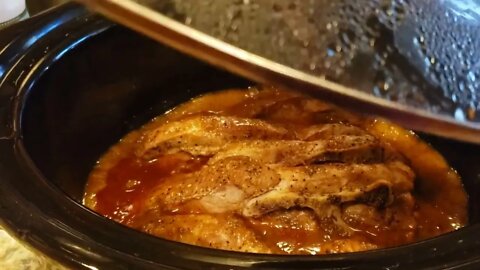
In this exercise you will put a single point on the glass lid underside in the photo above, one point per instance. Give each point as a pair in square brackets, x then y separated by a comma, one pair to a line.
[415, 62]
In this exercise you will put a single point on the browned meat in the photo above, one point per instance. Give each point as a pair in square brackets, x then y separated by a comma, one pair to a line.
[321, 187]
[231, 180]
[228, 136]
[257, 168]
[302, 233]
[214, 231]
[206, 135]
[351, 149]
[276, 172]
[242, 185]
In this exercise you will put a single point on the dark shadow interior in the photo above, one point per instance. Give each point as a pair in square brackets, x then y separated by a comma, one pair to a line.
[116, 82]
[101, 90]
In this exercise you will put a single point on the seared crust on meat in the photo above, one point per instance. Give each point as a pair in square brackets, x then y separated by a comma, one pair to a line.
[279, 165]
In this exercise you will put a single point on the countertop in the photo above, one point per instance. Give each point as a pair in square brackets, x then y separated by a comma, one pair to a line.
[15, 256]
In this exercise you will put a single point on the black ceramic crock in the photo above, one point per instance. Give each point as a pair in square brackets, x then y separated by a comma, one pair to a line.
[72, 84]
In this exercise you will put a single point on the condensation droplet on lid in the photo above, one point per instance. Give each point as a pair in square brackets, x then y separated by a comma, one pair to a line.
[471, 76]
[454, 98]
[330, 52]
[459, 114]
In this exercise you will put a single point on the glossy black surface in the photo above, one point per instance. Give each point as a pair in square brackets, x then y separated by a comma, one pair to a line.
[71, 85]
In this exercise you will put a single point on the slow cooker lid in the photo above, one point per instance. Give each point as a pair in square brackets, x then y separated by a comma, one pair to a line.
[415, 62]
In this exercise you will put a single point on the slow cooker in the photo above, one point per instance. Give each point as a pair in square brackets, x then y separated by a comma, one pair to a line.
[72, 83]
